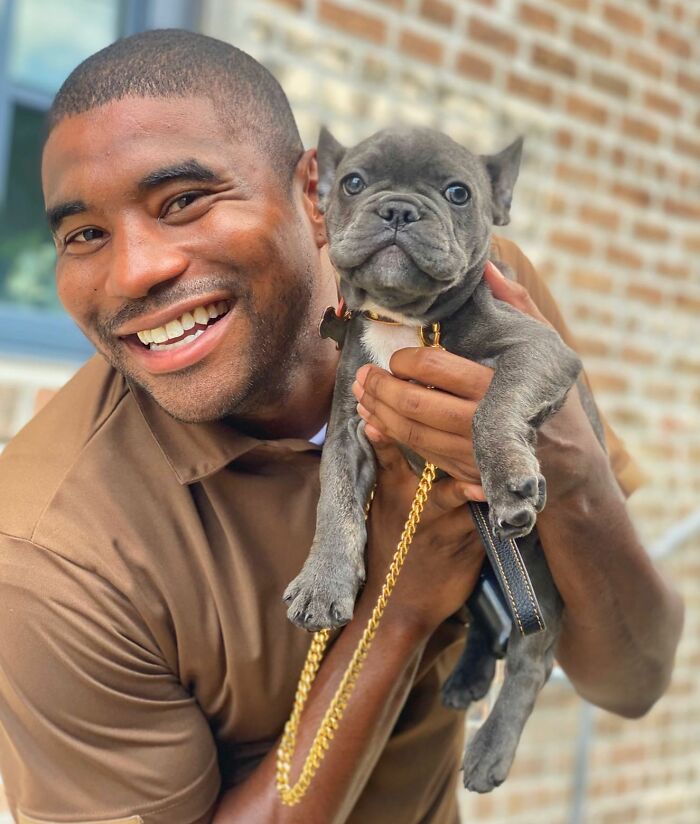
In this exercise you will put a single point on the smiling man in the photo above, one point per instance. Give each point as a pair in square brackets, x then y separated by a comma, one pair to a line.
[153, 512]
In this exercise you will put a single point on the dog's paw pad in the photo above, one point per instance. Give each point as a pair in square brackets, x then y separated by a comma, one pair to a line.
[531, 488]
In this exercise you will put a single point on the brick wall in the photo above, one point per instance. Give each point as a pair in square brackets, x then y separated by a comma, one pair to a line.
[607, 206]
[607, 93]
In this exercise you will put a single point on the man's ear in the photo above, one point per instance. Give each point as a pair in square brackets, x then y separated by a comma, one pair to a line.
[329, 155]
[502, 169]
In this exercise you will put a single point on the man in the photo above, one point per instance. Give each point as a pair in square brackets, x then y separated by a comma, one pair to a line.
[153, 512]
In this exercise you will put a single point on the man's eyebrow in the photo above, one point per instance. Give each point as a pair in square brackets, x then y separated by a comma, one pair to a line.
[187, 170]
[57, 214]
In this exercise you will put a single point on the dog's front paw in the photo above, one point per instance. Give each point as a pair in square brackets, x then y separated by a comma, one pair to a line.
[321, 597]
[514, 506]
[462, 688]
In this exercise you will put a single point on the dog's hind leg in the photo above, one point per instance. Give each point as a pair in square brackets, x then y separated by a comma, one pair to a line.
[472, 676]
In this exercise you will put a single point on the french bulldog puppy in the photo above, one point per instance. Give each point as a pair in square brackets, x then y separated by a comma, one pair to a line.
[408, 214]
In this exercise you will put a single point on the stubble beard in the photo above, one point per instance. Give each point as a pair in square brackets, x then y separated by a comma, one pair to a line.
[275, 351]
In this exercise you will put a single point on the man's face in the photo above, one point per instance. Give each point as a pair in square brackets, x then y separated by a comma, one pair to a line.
[183, 256]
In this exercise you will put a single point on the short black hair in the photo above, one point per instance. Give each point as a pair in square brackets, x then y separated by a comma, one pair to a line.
[172, 63]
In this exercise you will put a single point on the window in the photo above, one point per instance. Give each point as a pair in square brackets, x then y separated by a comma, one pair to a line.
[41, 41]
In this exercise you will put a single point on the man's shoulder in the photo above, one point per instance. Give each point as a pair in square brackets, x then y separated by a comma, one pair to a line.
[52, 449]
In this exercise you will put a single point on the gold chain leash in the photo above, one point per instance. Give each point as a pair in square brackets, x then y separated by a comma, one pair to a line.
[292, 794]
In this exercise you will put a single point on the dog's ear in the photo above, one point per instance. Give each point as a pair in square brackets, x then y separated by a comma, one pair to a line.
[329, 154]
[502, 169]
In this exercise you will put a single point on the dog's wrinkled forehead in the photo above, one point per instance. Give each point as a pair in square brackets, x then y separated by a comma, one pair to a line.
[405, 157]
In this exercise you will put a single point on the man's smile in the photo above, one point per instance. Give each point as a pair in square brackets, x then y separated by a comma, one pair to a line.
[182, 340]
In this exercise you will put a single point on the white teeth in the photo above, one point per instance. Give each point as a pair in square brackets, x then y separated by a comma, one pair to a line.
[178, 343]
[174, 329]
[157, 338]
[201, 315]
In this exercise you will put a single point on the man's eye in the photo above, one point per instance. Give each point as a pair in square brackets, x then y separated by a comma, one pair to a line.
[85, 236]
[181, 202]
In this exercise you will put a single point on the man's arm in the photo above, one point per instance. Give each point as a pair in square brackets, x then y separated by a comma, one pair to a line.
[622, 619]
[446, 552]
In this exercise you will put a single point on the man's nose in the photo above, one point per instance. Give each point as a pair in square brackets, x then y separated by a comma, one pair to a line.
[142, 258]
[397, 212]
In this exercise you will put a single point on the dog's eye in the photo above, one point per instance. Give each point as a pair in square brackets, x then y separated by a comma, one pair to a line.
[457, 193]
[353, 184]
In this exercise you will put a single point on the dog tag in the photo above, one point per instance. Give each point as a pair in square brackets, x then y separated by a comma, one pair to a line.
[333, 326]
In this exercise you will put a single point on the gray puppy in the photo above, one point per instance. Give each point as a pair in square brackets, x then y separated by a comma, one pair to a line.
[408, 215]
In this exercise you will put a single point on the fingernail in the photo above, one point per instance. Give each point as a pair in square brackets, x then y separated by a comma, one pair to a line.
[373, 434]
[362, 412]
[495, 270]
[362, 374]
[357, 390]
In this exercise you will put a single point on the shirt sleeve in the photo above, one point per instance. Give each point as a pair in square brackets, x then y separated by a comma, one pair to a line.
[627, 471]
[93, 724]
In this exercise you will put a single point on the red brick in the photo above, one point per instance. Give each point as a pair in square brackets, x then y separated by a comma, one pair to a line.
[593, 312]
[644, 62]
[610, 83]
[624, 20]
[356, 23]
[682, 208]
[553, 61]
[592, 147]
[591, 41]
[674, 43]
[608, 219]
[493, 36]
[691, 243]
[577, 175]
[420, 47]
[651, 232]
[686, 146]
[623, 256]
[541, 93]
[295, 5]
[438, 12]
[607, 382]
[576, 5]
[633, 354]
[662, 103]
[563, 138]
[585, 109]
[591, 347]
[688, 303]
[640, 129]
[688, 82]
[577, 244]
[631, 194]
[674, 271]
[475, 67]
[648, 294]
[395, 4]
[537, 18]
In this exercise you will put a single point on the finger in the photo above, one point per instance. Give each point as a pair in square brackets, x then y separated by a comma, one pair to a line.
[411, 400]
[511, 292]
[441, 369]
[448, 494]
[464, 470]
[414, 434]
[386, 452]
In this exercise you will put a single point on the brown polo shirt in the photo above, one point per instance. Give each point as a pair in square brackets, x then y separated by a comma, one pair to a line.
[146, 662]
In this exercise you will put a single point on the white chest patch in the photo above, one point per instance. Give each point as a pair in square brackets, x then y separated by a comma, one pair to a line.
[381, 340]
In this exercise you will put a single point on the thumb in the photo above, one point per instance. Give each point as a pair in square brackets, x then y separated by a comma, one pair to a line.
[512, 292]
[387, 453]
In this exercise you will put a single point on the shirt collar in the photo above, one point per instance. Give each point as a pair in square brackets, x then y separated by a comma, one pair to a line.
[197, 450]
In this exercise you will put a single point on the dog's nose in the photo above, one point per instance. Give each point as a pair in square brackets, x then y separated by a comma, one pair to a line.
[398, 213]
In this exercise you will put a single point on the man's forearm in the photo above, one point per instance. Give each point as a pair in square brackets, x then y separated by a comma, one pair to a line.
[366, 726]
[622, 621]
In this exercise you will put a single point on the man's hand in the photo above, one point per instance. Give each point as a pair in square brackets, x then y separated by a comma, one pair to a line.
[446, 550]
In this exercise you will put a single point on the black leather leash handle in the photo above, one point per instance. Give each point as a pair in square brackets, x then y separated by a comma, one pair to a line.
[511, 573]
